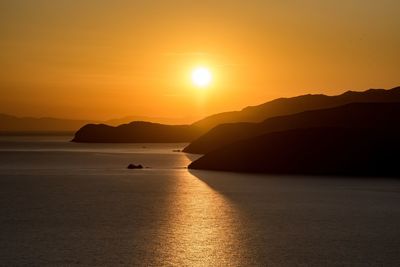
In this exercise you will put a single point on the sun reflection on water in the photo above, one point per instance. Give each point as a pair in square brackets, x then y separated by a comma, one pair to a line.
[202, 228]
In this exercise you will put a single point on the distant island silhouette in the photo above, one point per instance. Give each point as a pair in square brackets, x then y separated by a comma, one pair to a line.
[137, 132]
[35, 126]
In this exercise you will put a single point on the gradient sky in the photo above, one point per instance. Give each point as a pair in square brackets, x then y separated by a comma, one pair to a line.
[98, 59]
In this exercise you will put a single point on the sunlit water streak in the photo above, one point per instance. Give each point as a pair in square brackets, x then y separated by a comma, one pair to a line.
[202, 227]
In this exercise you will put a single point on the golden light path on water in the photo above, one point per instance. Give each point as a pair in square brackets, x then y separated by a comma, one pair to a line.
[202, 227]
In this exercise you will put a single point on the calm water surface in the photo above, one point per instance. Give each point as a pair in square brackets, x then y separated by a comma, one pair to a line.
[70, 204]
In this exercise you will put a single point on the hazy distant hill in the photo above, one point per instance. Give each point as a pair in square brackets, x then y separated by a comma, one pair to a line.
[312, 151]
[136, 132]
[15, 124]
[286, 106]
[350, 115]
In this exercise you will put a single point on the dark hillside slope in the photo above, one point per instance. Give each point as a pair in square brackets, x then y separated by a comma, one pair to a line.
[351, 115]
[313, 151]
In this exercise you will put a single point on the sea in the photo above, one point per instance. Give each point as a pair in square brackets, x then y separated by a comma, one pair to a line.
[71, 204]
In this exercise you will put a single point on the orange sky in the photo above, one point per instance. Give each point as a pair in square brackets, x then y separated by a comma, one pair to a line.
[98, 59]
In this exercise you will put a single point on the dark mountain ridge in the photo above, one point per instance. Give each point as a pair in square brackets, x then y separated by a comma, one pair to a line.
[287, 106]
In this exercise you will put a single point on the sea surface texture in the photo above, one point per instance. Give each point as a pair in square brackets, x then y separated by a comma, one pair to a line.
[68, 204]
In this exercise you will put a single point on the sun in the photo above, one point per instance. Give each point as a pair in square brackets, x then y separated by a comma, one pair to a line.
[201, 77]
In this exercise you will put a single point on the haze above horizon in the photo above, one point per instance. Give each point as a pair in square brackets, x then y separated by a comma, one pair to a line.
[103, 59]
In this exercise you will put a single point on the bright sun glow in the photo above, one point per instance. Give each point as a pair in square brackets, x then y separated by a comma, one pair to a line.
[201, 77]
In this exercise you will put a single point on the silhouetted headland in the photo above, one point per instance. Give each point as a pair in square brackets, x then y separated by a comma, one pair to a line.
[359, 115]
[136, 132]
[313, 151]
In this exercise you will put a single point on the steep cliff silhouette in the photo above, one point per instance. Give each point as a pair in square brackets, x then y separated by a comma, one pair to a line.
[312, 151]
[136, 132]
[360, 115]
